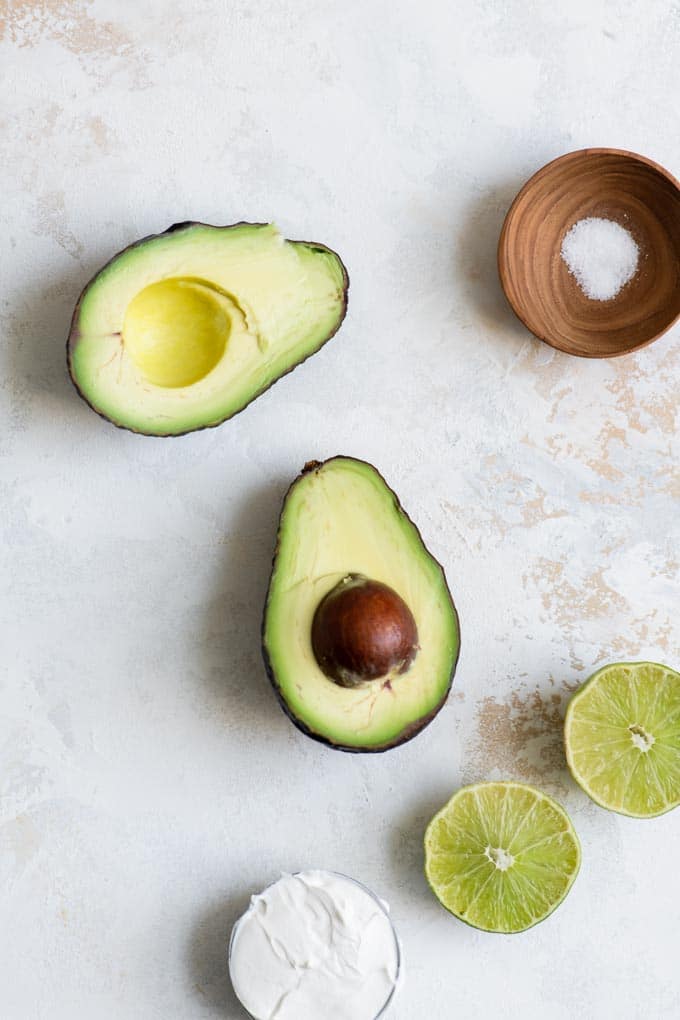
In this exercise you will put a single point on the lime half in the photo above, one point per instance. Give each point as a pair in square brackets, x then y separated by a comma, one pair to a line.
[622, 738]
[501, 856]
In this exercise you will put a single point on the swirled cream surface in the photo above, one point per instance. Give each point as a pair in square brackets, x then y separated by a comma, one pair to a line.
[314, 945]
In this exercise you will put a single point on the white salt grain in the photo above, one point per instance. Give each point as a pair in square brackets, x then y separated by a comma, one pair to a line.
[601, 255]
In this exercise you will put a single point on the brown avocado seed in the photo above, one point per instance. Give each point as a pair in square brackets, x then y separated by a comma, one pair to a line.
[362, 630]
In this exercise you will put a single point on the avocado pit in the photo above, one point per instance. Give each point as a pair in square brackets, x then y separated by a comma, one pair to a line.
[363, 631]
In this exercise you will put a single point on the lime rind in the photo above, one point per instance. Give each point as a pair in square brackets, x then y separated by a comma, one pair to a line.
[501, 856]
[622, 738]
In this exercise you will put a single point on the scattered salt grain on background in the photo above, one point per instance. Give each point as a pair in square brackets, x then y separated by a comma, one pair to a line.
[601, 255]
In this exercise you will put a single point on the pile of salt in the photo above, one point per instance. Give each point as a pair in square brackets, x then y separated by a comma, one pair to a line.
[601, 255]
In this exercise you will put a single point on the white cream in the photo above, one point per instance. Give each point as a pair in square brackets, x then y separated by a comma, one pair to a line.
[314, 945]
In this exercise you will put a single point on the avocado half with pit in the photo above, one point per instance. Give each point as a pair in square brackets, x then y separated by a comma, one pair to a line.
[360, 633]
[181, 330]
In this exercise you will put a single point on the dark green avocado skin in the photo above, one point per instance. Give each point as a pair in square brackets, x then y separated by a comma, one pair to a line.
[74, 332]
[410, 731]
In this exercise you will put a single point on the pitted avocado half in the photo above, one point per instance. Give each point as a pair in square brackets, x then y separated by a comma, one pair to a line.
[182, 330]
[360, 633]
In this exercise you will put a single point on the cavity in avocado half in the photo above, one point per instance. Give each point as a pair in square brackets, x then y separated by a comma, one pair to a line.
[360, 633]
[182, 330]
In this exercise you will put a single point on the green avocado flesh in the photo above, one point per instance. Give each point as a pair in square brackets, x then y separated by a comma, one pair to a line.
[182, 330]
[341, 518]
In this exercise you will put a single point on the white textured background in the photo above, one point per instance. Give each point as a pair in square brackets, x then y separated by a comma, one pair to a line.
[148, 780]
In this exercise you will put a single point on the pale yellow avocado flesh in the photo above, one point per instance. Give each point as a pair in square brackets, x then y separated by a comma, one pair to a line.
[185, 328]
[342, 518]
[176, 330]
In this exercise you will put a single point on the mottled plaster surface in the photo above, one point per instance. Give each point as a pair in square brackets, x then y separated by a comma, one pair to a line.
[148, 781]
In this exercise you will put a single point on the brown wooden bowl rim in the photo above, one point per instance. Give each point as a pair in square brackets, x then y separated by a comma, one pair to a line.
[502, 256]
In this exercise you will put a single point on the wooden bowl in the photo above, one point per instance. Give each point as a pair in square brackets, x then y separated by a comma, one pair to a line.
[612, 184]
